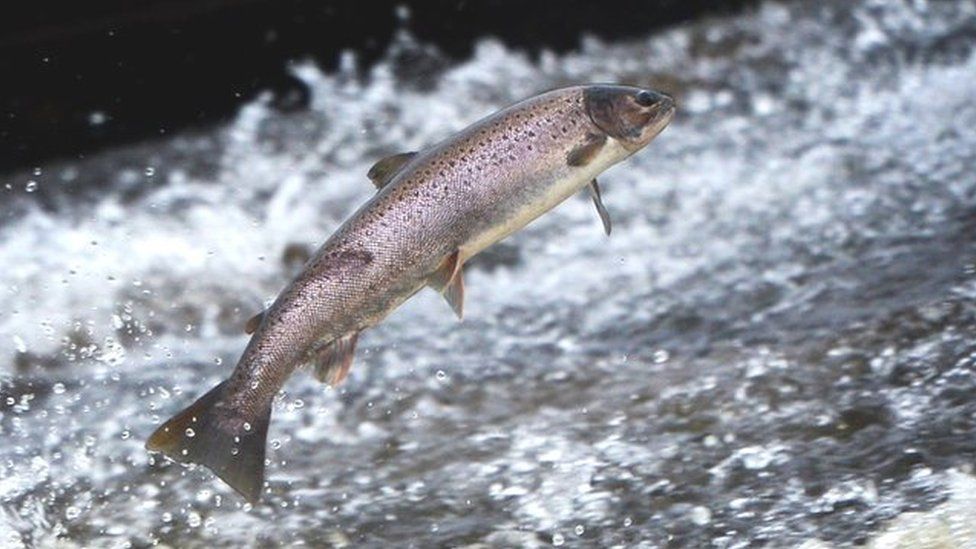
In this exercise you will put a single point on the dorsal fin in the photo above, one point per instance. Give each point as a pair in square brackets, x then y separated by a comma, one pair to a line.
[252, 323]
[385, 168]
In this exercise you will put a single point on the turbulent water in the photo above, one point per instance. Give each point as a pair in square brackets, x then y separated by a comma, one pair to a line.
[777, 347]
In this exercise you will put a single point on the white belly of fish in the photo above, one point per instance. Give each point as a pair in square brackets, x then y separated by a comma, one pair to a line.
[555, 193]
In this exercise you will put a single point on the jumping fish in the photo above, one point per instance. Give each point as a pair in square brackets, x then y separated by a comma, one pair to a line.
[434, 210]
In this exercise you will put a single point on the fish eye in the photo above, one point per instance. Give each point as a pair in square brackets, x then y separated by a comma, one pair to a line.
[644, 98]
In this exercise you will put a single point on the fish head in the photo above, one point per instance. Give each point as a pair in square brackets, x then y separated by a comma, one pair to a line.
[632, 116]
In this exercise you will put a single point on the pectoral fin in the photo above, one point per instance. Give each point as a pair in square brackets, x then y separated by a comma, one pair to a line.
[585, 153]
[600, 208]
[334, 360]
[449, 281]
[254, 322]
[383, 171]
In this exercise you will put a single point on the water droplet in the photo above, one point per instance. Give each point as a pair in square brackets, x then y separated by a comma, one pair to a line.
[247, 426]
[31, 186]
[234, 451]
[190, 433]
[628, 522]
[167, 517]
[441, 376]
[579, 529]
[275, 444]
[194, 520]
[299, 403]
[558, 539]
[37, 171]
[72, 512]
[661, 356]
[58, 388]
[150, 171]
[126, 435]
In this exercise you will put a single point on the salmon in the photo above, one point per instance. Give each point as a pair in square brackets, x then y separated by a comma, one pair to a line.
[433, 211]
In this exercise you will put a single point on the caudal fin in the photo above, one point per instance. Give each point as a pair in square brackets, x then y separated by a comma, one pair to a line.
[196, 435]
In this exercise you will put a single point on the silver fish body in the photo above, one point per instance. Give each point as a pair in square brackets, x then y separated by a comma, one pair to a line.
[435, 210]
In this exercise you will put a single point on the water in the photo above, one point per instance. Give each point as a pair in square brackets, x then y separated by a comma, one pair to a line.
[775, 348]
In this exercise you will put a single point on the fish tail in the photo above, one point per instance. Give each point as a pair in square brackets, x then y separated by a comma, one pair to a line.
[199, 434]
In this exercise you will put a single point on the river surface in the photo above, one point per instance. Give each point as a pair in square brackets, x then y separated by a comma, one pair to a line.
[776, 347]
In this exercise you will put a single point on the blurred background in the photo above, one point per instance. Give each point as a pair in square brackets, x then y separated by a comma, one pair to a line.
[88, 76]
[776, 348]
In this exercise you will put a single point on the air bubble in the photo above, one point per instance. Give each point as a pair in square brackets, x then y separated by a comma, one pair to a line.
[31, 186]
[58, 388]
[579, 529]
[190, 433]
[441, 376]
[558, 539]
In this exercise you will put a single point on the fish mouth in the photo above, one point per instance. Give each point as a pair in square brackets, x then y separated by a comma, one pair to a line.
[661, 114]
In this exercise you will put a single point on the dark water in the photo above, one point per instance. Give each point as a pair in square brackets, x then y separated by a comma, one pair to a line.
[775, 349]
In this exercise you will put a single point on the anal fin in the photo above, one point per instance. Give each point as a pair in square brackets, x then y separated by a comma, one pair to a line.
[448, 279]
[335, 359]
